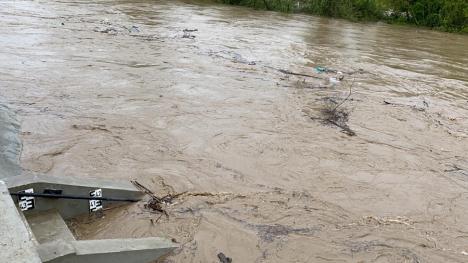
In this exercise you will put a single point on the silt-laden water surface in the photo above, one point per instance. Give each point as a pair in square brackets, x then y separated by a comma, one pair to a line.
[118, 89]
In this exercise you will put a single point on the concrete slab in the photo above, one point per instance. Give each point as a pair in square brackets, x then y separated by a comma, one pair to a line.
[106, 246]
[141, 250]
[17, 243]
[49, 226]
[56, 251]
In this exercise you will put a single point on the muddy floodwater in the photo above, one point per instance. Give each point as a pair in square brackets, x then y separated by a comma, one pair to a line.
[225, 105]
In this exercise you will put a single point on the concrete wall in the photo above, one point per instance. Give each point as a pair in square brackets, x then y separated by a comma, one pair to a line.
[69, 208]
[10, 144]
[17, 243]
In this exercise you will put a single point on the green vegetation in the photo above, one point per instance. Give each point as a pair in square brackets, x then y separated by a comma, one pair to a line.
[448, 15]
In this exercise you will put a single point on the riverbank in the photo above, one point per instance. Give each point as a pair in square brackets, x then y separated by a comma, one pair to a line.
[451, 16]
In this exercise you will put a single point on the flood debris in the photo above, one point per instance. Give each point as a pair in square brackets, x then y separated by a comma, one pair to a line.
[158, 204]
[375, 220]
[188, 33]
[336, 116]
[303, 84]
[287, 72]
[358, 71]
[223, 259]
[322, 69]
[106, 30]
[232, 56]
[418, 104]
[148, 37]
[315, 87]
[334, 113]
[111, 28]
[98, 127]
[132, 29]
[154, 203]
[332, 78]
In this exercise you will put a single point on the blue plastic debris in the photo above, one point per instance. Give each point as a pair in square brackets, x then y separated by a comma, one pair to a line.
[320, 69]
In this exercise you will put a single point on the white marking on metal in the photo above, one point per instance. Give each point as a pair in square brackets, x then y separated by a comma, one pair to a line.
[26, 202]
[95, 205]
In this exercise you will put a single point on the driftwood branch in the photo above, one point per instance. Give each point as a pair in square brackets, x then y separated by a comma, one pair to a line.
[284, 71]
[155, 203]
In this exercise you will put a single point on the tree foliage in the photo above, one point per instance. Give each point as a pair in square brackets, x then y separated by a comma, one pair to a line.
[449, 15]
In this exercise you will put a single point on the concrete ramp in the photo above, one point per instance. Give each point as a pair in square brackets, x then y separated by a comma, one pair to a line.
[49, 226]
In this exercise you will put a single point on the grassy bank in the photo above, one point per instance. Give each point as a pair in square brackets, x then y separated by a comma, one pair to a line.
[446, 15]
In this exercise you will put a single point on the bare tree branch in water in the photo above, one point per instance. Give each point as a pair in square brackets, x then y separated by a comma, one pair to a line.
[333, 113]
[349, 95]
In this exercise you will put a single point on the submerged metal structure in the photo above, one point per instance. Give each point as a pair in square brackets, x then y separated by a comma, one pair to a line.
[34, 207]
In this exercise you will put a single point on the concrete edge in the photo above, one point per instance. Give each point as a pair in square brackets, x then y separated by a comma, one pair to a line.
[103, 246]
[27, 179]
[110, 250]
[56, 249]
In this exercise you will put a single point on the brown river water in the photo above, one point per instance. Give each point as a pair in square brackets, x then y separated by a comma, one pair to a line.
[118, 90]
